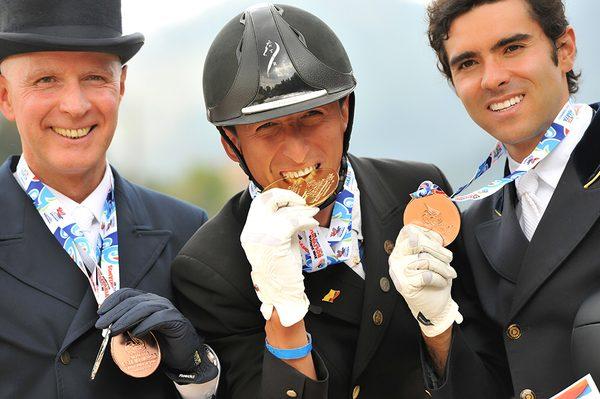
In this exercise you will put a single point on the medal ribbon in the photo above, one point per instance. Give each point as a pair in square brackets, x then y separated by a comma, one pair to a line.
[556, 133]
[103, 274]
[322, 247]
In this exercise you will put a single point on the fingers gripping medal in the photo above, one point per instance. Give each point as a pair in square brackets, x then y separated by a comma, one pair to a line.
[432, 209]
[137, 357]
[315, 187]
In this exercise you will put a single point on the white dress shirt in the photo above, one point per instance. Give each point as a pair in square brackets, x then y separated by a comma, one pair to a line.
[547, 173]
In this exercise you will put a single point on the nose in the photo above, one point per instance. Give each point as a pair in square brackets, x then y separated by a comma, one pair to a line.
[74, 100]
[295, 146]
[494, 76]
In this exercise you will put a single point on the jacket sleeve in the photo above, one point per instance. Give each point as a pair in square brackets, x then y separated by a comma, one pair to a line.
[234, 328]
[477, 364]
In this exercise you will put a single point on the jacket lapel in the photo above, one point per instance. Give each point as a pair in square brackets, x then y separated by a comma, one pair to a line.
[572, 211]
[140, 244]
[381, 220]
[501, 238]
[28, 251]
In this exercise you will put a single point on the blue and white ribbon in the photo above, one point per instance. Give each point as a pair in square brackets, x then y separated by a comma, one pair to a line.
[104, 277]
[562, 125]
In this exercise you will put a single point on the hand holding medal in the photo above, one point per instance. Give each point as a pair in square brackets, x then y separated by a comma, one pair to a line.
[140, 320]
[421, 272]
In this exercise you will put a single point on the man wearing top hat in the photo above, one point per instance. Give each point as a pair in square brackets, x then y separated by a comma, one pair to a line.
[74, 231]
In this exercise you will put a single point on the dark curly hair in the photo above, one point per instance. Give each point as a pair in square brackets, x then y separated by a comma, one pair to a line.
[549, 14]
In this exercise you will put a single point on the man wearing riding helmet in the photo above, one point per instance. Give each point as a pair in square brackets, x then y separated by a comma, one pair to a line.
[296, 299]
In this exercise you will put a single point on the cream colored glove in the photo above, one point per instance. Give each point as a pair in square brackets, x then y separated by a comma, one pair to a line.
[420, 269]
[270, 241]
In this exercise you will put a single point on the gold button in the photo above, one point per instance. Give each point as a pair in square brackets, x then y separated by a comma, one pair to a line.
[388, 246]
[291, 393]
[355, 392]
[514, 332]
[527, 394]
[377, 318]
[65, 358]
[384, 284]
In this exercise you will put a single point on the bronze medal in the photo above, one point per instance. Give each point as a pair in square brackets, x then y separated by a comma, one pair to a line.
[137, 357]
[315, 187]
[434, 212]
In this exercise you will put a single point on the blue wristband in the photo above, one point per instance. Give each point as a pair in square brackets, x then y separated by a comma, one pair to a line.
[289, 354]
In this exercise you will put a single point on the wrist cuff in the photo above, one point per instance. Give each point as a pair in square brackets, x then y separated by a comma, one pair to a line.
[289, 354]
[206, 369]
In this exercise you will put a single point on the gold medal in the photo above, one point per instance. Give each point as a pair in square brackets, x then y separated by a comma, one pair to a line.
[137, 357]
[434, 212]
[315, 187]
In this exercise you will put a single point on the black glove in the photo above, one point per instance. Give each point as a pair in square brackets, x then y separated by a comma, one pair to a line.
[180, 346]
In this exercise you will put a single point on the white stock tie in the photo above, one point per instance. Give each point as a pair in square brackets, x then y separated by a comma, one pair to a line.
[531, 213]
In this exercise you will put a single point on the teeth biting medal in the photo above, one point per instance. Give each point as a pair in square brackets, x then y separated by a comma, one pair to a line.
[315, 187]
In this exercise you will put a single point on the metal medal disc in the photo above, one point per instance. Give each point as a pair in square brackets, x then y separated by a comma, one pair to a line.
[434, 212]
[315, 187]
[137, 357]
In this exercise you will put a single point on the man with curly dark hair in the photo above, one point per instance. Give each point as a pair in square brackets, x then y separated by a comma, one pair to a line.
[534, 240]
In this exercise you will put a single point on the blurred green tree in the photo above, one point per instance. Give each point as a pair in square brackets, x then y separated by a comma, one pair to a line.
[10, 144]
[206, 187]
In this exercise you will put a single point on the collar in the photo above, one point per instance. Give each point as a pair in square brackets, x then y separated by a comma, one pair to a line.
[93, 202]
[550, 169]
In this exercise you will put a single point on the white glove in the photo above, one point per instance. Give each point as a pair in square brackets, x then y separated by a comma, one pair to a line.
[270, 241]
[420, 269]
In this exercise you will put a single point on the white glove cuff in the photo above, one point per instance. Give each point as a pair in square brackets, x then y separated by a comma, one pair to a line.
[444, 321]
[291, 313]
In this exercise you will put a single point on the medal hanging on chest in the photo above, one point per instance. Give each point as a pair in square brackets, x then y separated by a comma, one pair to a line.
[138, 357]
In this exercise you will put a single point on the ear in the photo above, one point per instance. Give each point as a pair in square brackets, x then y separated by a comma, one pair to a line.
[226, 146]
[567, 50]
[6, 106]
[122, 81]
[345, 111]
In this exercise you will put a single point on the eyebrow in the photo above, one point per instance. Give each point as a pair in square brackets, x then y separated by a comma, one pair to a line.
[462, 57]
[499, 44]
[511, 39]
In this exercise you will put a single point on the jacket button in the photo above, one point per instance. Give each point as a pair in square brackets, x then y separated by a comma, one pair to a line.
[514, 332]
[388, 246]
[384, 284]
[355, 392]
[527, 394]
[377, 318]
[291, 393]
[65, 358]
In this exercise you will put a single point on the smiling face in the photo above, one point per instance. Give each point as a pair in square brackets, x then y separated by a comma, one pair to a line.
[65, 105]
[506, 74]
[293, 145]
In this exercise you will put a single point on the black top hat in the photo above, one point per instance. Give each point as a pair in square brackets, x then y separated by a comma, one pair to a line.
[65, 25]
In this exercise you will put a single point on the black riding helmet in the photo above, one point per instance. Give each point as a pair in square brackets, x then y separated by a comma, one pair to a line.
[272, 61]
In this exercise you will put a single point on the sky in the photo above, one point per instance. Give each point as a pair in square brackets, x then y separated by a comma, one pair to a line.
[405, 108]
[149, 16]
